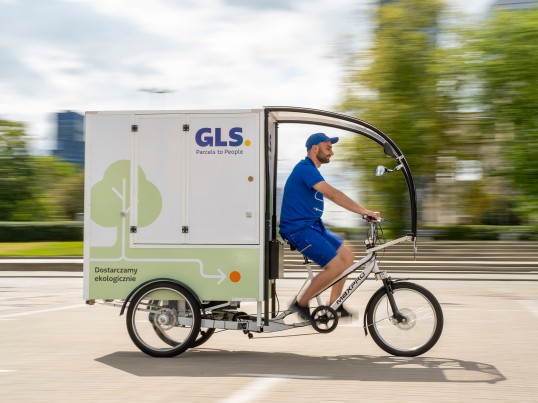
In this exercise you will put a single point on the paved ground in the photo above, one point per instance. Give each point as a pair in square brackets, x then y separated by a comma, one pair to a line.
[55, 348]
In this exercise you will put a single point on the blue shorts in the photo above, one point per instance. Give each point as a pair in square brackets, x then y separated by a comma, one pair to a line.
[317, 243]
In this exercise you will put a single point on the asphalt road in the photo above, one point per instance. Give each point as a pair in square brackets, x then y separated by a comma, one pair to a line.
[54, 348]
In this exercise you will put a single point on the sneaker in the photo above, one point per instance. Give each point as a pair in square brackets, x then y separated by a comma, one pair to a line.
[302, 311]
[343, 312]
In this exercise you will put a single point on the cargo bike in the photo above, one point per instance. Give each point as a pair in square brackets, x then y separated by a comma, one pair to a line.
[181, 229]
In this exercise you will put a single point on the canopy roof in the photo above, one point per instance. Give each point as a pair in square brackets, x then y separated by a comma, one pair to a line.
[290, 114]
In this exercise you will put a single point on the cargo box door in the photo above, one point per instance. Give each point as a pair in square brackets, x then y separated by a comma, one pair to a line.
[158, 172]
[223, 179]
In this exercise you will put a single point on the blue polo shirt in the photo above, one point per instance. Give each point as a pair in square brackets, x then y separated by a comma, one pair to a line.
[302, 205]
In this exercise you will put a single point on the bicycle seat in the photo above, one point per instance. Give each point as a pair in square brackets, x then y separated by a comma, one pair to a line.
[293, 248]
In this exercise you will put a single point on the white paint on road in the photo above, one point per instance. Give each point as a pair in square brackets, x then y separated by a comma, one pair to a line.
[529, 305]
[253, 391]
[60, 308]
[280, 376]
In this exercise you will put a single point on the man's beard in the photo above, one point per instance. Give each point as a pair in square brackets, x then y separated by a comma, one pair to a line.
[323, 158]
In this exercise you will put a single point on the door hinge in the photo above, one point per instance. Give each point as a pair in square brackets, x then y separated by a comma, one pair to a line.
[133, 229]
[134, 128]
[185, 229]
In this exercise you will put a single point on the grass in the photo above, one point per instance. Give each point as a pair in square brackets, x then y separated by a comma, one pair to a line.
[41, 248]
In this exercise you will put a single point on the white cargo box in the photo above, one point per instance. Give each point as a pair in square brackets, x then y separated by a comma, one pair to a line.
[175, 195]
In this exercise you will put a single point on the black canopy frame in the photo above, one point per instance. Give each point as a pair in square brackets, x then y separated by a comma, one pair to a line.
[289, 114]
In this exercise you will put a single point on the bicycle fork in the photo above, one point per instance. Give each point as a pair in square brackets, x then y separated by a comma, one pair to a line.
[389, 291]
[396, 314]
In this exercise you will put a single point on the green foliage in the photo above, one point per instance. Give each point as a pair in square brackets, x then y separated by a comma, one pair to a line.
[35, 188]
[504, 55]
[41, 231]
[59, 189]
[421, 94]
[69, 194]
[399, 92]
[41, 248]
[17, 176]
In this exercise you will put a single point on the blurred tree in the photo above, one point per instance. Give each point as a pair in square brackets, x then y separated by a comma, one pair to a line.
[504, 55]
[403, 91]
[69, 193]
[35, 188]
[59, 188]
[16, 173]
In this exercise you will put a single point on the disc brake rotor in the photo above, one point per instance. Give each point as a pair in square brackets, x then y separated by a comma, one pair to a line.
[410, 320]
[165, 318]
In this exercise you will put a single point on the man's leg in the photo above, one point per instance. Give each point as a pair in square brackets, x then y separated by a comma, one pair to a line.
[348, 256]
[332, 270]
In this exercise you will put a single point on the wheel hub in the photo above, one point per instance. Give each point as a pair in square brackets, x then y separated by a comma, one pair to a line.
[408, 322]
[165, 318]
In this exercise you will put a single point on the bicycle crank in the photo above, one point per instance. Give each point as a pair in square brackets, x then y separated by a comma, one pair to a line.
[325, 319]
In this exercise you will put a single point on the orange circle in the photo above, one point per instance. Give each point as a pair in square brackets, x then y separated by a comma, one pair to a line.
[247, 143]
[235, 276]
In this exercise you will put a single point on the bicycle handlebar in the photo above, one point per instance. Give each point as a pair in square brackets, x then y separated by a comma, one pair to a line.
[372, 219]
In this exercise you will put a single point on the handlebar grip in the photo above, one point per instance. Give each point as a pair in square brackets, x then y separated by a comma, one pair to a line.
[370, 218]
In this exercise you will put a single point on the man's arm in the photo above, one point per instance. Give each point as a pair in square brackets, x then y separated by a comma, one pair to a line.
[340, 198]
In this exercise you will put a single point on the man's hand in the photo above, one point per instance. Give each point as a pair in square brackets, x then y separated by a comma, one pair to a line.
[371, 216]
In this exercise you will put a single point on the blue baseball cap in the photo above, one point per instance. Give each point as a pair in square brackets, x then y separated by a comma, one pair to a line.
[317, 138]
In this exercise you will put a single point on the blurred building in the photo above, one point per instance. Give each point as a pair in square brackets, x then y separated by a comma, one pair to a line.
[70, 137]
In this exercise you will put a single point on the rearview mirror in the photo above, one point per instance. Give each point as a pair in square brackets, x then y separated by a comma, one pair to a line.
[380, 170]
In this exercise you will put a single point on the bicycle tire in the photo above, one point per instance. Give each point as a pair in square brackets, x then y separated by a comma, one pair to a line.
[424, 320]
[163, 327]
[203, 336]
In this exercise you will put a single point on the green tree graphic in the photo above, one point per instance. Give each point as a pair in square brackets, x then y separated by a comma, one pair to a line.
[110, 197]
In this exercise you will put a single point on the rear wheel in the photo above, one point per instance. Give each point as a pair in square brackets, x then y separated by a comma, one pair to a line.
[163, 319]
[203, 336]
[417, 332]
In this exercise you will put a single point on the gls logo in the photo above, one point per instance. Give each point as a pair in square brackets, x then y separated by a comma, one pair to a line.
[205, 137]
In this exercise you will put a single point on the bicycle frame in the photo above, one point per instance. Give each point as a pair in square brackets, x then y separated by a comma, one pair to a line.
[371, 267]
[277, 323]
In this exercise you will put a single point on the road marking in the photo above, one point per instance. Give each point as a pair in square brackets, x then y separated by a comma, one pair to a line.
[61, 308]
[529, 305]
[279, 376]
[253, 390]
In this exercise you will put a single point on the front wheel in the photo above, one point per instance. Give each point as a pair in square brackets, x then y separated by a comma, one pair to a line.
[420, 329]
[163, 319]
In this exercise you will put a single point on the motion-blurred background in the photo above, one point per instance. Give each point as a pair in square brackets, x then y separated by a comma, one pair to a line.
[452, 82]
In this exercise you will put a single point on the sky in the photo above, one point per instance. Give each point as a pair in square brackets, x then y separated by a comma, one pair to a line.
[85, 55]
